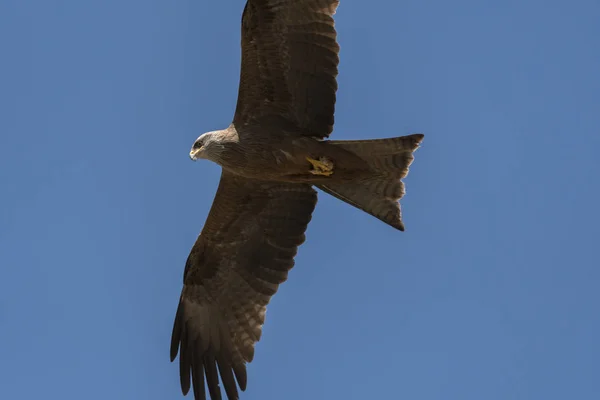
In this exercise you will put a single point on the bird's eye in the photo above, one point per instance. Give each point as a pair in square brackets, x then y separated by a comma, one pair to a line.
[197, 145]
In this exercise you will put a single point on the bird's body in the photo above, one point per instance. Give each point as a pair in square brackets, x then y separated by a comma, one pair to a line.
[282, 156]
[272, 154]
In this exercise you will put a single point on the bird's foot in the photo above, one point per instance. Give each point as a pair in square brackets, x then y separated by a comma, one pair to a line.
[322, 166]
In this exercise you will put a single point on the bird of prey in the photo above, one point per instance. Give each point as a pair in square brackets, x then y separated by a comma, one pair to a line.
[272, 155]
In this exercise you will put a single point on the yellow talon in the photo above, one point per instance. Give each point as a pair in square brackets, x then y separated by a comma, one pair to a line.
[322, 166]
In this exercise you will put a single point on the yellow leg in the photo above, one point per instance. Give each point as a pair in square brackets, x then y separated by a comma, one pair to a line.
[322, 166]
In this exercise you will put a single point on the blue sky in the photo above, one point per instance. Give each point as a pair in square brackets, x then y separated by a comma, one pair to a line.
[491, 293]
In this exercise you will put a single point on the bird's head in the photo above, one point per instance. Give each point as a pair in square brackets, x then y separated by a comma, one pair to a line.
[207, 146]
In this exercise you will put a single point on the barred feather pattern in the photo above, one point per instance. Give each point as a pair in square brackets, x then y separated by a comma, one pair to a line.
[289, 64]
[378, 194]
[243, 254]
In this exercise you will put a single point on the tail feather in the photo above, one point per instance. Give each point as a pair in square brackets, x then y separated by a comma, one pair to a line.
[379, 193]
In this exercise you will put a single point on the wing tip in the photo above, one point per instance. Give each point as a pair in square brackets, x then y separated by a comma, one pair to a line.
[176, 333]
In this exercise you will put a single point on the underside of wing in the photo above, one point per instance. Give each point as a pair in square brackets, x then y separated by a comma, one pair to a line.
[243, 254]
[289, 64]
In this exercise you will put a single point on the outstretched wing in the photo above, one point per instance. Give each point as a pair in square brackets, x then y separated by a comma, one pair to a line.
[289, 64]
[243, 254]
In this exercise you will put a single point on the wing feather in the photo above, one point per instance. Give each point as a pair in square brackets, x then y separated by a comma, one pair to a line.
[243, 254]
[289, 64]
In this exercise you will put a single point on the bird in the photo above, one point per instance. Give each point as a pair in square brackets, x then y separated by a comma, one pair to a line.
[273, 155]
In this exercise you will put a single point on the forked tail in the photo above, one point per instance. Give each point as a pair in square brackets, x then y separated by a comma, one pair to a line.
[379, 193]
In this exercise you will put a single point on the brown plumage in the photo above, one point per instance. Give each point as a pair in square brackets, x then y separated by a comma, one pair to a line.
[272, 155]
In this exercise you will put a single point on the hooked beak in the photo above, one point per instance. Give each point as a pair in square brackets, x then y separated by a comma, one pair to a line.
[193, 154]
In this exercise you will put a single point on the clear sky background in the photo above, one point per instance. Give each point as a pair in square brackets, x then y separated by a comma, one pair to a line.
[491, 293]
